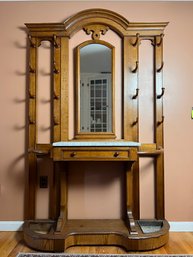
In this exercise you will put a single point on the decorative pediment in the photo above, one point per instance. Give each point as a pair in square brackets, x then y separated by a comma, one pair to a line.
[96, 30]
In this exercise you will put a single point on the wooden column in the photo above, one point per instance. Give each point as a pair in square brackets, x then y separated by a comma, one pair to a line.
[64, 88]
[57, 89]
[130, 109]
[130, 198]
[130, 90]
[60, 120]
[63, 198]
[54, 192]
[159, 122]
[31, 176]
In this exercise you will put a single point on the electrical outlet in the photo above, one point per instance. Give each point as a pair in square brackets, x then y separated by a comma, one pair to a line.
[43, 182]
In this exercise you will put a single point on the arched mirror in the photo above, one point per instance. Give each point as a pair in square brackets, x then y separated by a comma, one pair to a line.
[95, 90]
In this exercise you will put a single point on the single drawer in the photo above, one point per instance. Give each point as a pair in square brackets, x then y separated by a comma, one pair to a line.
[95, 155]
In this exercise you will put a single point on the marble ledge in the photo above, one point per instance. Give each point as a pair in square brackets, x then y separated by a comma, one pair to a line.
[97, 143]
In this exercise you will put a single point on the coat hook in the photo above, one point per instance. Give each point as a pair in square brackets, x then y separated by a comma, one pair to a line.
[31, 121]
[56, 96]
[56, 71]
[161, 67]
[136, 94]
[136, 67]
[55, 121]
[161, 39]
[31, 70]
[162, 93]
[31, 96]
[161, 121]
[135, 122]
[136, 41]
[32, 44]
[56, 44]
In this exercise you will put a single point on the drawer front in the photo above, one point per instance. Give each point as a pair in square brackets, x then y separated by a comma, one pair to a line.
[95, 155]
[90, 154]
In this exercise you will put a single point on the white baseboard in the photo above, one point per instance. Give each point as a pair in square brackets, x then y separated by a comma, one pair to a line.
[175, 226]
[181, 226]
[11, 225]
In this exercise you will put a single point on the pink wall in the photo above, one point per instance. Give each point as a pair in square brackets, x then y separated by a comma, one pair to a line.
[178, 100]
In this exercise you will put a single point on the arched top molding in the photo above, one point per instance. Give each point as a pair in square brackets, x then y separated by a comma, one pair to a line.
[113, 20]
[96, 17]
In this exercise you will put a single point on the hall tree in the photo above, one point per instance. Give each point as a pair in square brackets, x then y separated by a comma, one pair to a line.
[94, 140]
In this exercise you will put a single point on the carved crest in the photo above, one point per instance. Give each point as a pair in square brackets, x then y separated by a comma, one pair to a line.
[96, 30]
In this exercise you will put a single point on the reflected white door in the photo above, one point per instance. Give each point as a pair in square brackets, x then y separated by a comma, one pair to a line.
[96, 103]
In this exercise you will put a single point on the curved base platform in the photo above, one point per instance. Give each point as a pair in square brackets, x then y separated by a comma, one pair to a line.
[41, 234]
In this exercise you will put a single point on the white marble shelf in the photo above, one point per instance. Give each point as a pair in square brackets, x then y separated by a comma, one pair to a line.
[97, 143]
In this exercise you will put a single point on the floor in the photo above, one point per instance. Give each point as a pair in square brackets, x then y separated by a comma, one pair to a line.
[11, 243]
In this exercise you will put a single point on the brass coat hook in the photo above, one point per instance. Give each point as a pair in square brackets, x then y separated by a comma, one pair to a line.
[31, 70]
[136, 94]
[56, 96]
[56, 122]
[161, 40]
[56, 71]
[32, 44]
[56, 44]
[38, 152]
[162, 93]
[31, 121]
[150, 153]
[135, 122]
[136, 41]
[136, 67]
[161, 67]
[161, 121]
[31, 96]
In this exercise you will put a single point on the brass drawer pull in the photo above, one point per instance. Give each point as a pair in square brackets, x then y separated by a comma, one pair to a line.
[116, 154]
[73, 154]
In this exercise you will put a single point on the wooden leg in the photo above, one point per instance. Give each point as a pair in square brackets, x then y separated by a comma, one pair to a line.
[63, 199]
[129, 199]
[136, 202]
[159, 188]
[31, 180]
[54, 192]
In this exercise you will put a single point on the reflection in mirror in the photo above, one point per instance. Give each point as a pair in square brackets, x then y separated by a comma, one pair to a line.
[95, 88]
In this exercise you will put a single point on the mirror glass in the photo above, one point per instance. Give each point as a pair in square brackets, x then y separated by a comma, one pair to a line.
[95, 88]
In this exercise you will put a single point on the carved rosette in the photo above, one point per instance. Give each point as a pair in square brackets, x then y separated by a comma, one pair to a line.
[96, 30]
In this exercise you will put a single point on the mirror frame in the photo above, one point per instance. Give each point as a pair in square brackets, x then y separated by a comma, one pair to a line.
[93, 135]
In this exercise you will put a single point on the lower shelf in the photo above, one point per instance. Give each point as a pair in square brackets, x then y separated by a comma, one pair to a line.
[41, 234]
